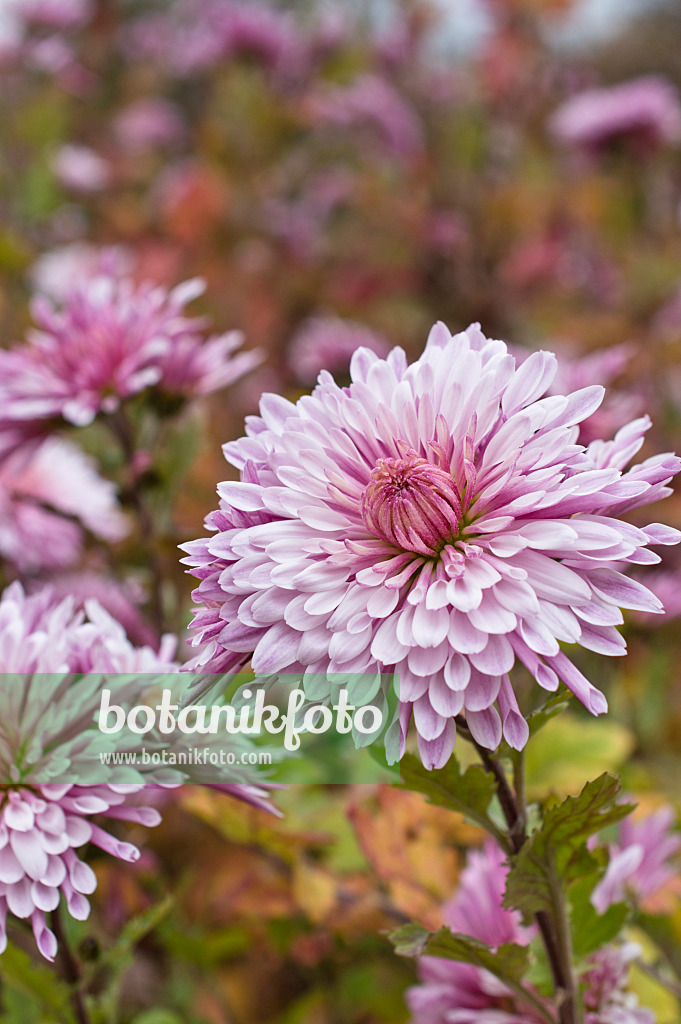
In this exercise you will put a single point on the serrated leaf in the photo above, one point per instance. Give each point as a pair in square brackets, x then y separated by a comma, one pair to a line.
[508, 962]
[468, 792]
[556, 854]
[591, 930]
[410, 939]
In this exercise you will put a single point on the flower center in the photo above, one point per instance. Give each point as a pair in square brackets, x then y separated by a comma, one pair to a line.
[412, 504]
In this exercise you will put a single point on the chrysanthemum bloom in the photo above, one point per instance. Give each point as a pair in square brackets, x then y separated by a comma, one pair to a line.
[436, 520]
[645, 110]
[644, 859]
[372, 100]
[455, 993]
[111, 339]
[58, 271]
[47, 495]
[47, 710]
[328, 343]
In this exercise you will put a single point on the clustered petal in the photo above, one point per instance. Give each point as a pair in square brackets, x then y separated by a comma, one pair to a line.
[40, 830]
[112, 338]
[438, 521]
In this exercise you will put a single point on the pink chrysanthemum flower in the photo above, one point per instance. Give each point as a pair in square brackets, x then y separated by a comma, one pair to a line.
[371, 101]
[328, 343]
[47, 495]
[645, 110]
[438, 521]
[455, 993]
[644, 859]
[47, 709]
[111, 339]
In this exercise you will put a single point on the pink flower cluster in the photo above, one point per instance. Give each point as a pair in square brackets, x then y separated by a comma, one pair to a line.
[196, 34]
[646, 110]
[112, 338]
[438, 521]
[373, 101]
[328, 343]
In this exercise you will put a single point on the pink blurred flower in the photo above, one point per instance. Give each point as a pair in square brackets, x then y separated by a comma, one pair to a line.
[455, 993]
[451, 992]
[606, 997]
[328, 343]
[17, 16]
[643, 860]
[302, 221]
[665, 584]
[59, 271]
[645, 110]
[580, 370]
[120, 598]
[437, 521]
[197, 34]
[47, 496]
[152, 121]
[371, 100]
[80, 169]
[55, 13]
[111, 339]
[668, 319]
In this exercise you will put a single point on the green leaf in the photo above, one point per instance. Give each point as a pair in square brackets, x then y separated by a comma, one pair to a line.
[119, 957]
[19, 972]
[468, 792]
[410, 939]
[508, 962]
[556, 854]
[590, 929]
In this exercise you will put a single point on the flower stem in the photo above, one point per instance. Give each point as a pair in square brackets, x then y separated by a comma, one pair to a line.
[553, 927]
[122, 430]
[70, 969]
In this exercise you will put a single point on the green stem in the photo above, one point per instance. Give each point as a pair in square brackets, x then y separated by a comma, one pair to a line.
[122, 430]
[70, 969]
[553, 927]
